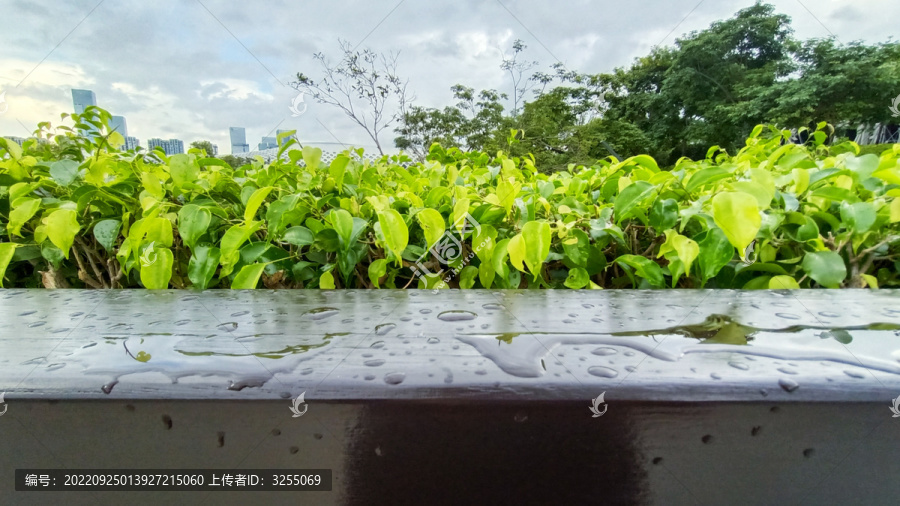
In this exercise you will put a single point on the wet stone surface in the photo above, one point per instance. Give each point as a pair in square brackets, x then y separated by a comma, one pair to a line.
[693, 345]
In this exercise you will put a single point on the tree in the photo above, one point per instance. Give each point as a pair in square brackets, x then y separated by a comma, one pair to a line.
[206, 146]
[517, 69]
[361, 85]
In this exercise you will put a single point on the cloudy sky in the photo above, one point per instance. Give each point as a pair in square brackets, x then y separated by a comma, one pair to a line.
[189, 69]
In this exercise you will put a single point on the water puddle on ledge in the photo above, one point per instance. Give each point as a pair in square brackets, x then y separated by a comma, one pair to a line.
[179, 356]
[875, 346]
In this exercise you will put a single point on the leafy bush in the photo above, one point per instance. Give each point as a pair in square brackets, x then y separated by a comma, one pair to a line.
[75, 211]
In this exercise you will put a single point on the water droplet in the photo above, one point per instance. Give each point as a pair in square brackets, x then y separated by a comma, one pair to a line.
[602, 372]
[456, 315]
[320, 313]
[384, 328]
[492, 306]
[377, 345]
[739, 365]
[36, 324]
[369, 377]
[394, 378]
[240, 313]
[854, 374]
[425, 311]
[755, 430]
[828, 314]
[26, 313]
[785, 370]
[433, 340]
[715, 376]
[107, 388]
[228, 327]
[604, 351]
[809, 452]
[374, 362]
[707, 439]
[787, 316]
[788, 385]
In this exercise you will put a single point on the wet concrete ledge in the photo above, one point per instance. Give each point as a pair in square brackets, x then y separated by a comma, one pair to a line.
[475, 397]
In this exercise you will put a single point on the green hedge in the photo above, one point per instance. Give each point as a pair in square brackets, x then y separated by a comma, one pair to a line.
[77, 212]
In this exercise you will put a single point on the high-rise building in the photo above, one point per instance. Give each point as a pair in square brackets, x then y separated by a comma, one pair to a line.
[238, 140]
[17, 140]
[215, 150]
[131, 143]
[268, 143]
[117, 123]
[279, 132]
[169, 147]
[83, 98]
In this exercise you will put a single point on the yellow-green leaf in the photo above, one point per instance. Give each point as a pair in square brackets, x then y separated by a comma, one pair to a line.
[783, 283]
[156, 268]
[7, 250]
[62, 227]
[394, 230]
[326, 280]
[248, 277]
[432, 224]
[253, 203]
[737, 214]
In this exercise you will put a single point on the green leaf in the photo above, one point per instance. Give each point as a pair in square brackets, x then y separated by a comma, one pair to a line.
[193, 221]
[248, 277]
[107, 232]
[377, 270]
[394, 230]
[516, 250]
[706, 176]
[858, 217]
[578, 278]
[337, 169]
[645, 268]
[537, 236]
[62, 227]
[737, 214]
[630, 197]
[183, 169]
[467, 277]
[432, 224]
[156, 268]
[342, 222]
[256, 200]
[895, 210]
[663, 214]
[715, 253]
[783, 283]
[7, 250]
[825, 267]
[22, 212]
[577, 247]
[299, 236]
[52, 254]
[311, 157]
[64, 172]
[202, 266]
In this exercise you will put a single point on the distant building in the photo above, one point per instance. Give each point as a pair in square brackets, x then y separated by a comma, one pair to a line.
[83, 98]
[238, 140]
[268, 143]
[279, 132]
[17, 140]
[131, 143]
[117, 123]
[215, 150]
[169, 147]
